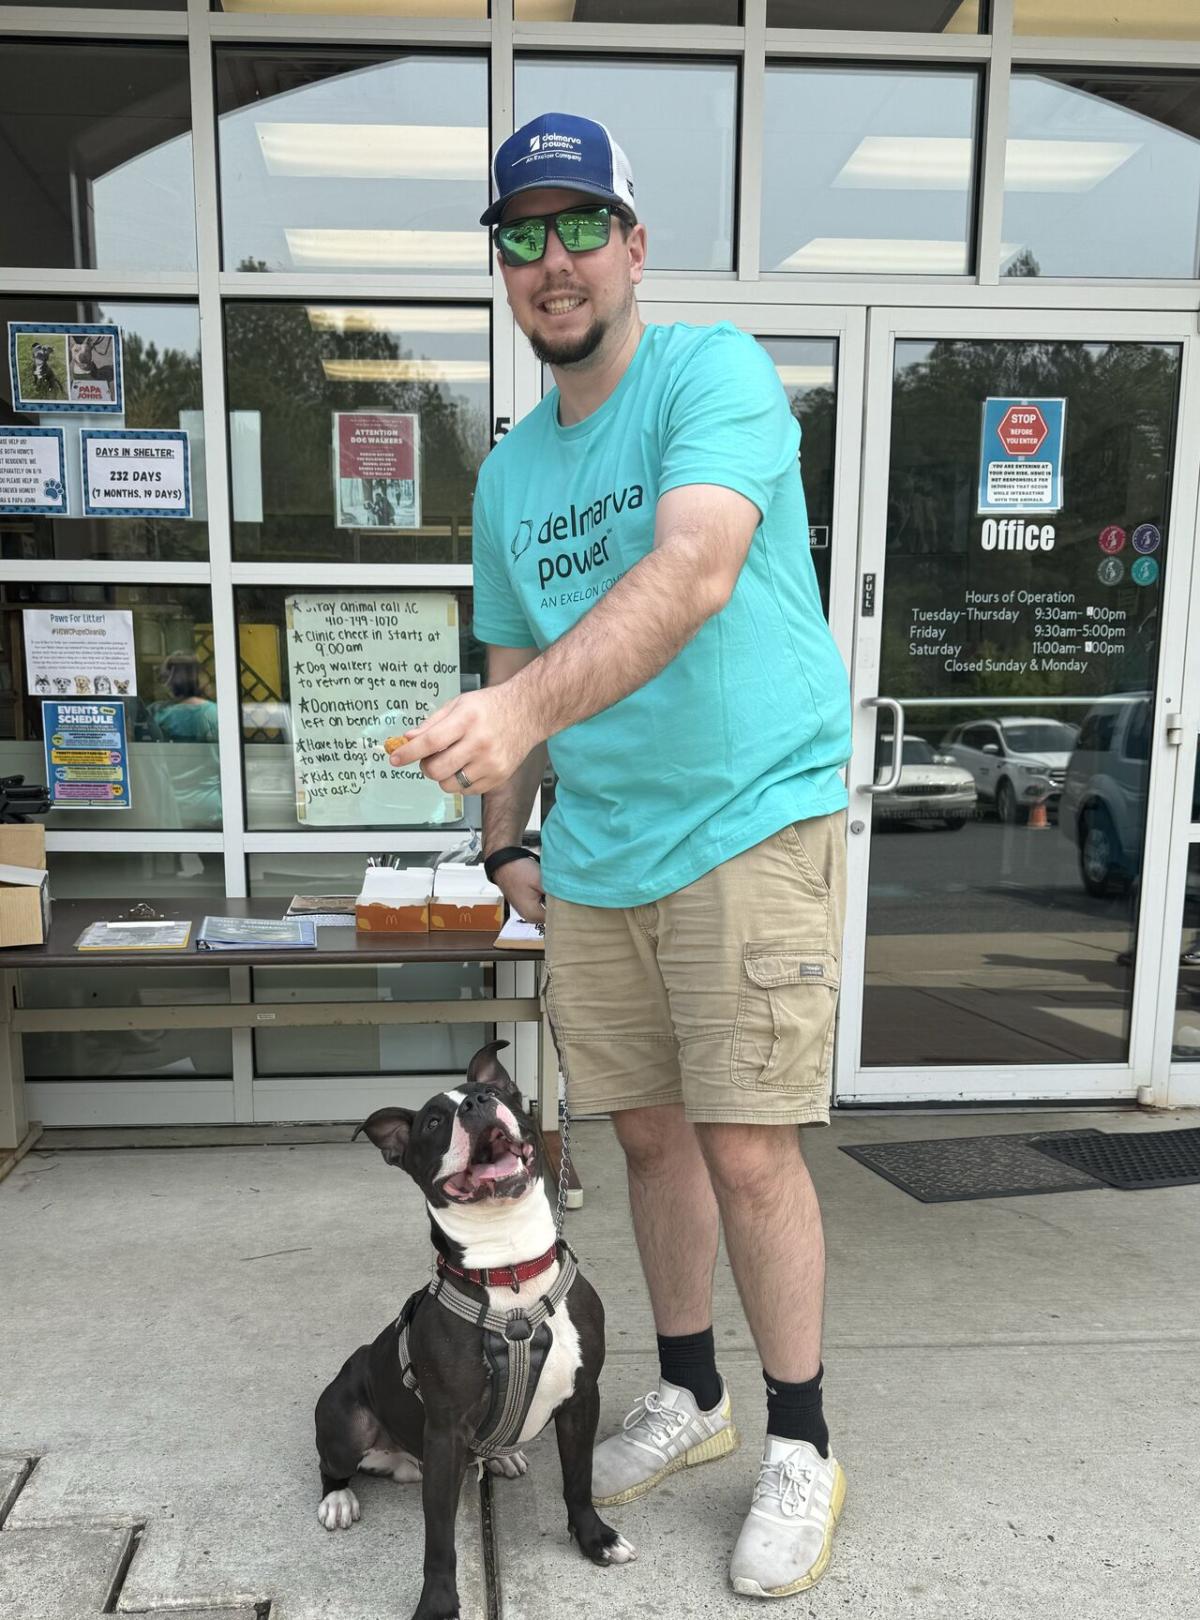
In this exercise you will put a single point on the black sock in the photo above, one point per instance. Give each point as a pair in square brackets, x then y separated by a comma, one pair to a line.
[794, 1411]
[689, 1360]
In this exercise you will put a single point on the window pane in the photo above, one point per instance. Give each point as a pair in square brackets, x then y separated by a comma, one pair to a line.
[709, 13]
[1119, 19]
[298, 372]
[907, 16]
[170, 728]
[886, 180]
[1185, 1043]
[267, 727]
[352, 160]
[160, 362]
[676, 123]
[96, 156]
[807, 369]
[477, 9]
[184, 880]
[1091, 156]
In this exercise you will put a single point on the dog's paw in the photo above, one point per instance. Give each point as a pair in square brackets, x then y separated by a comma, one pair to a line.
[619, 1552]
[509, 1467]
[339, 1510]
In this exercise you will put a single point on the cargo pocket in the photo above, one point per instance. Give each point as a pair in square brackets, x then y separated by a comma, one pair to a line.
[550, 1013]
[783, 1035]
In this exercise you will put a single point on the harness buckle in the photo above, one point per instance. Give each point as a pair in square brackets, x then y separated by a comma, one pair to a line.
[517, 1326]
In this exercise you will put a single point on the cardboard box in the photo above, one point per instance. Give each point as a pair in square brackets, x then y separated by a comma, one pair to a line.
[464, 902]
[24, 886]
[394, 900]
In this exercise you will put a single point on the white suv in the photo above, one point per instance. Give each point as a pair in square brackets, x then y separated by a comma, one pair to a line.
[1016, 762]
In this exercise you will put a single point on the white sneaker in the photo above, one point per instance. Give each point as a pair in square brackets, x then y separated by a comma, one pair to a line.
[665, 1431]
[786, 1540]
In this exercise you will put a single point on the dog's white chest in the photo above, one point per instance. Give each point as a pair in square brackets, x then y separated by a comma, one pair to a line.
[563, 1359]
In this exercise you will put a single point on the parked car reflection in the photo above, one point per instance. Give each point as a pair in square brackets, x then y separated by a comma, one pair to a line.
[1103, 807]
[1015, 762]
[931, 787]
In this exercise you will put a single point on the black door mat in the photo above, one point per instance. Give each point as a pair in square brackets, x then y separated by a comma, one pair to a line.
[950, 1169]
[1135, 1161]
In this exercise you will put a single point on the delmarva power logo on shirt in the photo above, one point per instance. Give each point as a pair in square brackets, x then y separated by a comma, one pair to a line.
[579, 551]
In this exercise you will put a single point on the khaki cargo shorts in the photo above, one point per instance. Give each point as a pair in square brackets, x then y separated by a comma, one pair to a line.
[721, 996]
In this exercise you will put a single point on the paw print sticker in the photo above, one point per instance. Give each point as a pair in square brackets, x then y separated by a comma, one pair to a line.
[52, 489]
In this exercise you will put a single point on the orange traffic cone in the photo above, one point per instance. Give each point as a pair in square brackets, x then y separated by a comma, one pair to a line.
[1038, 817]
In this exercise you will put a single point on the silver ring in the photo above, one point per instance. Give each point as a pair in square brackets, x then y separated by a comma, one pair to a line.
[463, 780]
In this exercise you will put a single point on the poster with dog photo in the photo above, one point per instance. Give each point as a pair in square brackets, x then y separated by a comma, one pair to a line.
[376, 470]
[55, 367]
[79, 652]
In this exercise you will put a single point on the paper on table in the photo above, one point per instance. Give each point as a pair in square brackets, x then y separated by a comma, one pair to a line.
[517, 934]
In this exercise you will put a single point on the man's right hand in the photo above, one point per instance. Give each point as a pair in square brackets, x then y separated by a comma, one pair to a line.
[520, 882]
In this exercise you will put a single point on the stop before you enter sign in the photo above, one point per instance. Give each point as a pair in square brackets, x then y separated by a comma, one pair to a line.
[1022, 430]
[1021, 456]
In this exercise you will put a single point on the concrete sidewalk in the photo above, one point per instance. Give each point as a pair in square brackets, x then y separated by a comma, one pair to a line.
[1013, 1387]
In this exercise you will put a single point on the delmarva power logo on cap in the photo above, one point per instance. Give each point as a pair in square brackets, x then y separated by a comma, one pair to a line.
[561, 150]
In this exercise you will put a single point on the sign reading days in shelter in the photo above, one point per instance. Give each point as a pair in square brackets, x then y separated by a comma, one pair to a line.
[1021, 455]
[136, 472]
[79, 652]
[364, 667]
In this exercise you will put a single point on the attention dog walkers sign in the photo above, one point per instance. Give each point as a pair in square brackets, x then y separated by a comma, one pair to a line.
[56, 367]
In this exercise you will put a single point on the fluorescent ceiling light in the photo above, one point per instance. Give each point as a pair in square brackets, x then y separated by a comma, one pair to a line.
[909, 162]
[416, 318]
[871, 254]
[1063, 165]
[375, 151]
[805, 376]
[388, 250]
[363, 8]
[943, 163]
[458, 371]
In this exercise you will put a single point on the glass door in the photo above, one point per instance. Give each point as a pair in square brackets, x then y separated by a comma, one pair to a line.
[1022, 488]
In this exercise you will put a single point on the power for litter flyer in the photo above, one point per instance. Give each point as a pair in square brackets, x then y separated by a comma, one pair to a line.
[87, 760]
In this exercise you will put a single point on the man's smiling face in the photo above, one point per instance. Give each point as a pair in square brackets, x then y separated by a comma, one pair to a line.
[566, 304]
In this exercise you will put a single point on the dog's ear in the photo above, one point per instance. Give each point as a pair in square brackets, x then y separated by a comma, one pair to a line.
[389, 1129]
[486, 1069]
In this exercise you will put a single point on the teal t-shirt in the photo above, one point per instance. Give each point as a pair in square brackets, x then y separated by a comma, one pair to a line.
[746, 729]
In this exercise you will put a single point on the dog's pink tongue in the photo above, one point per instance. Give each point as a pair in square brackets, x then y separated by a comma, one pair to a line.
[506, 1165]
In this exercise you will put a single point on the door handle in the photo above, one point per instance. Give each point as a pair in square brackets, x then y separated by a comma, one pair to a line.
[893, 779]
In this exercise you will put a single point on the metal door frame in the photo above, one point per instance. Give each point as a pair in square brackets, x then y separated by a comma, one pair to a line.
[1145, 1075]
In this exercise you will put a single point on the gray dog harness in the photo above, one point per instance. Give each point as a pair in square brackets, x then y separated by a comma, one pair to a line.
[515, 1346]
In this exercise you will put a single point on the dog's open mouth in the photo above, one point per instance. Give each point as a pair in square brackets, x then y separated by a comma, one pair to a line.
[499, 1168]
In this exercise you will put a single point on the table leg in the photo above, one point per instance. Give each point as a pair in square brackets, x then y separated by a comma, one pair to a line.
[14, 1121]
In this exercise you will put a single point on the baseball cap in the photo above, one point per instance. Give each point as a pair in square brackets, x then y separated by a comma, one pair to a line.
[564, 151]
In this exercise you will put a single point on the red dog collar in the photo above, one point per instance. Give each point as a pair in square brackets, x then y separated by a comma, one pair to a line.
[504, 1276]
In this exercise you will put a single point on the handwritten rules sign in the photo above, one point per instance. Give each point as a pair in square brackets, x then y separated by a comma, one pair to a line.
[365, 666]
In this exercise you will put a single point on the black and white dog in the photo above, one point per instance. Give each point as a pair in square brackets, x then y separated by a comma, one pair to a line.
[508, 1335]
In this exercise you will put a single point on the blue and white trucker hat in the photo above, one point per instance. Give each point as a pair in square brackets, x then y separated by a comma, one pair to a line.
[564, 151]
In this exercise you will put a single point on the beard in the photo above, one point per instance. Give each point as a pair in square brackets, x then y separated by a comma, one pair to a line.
[570, 351]
[573, 351]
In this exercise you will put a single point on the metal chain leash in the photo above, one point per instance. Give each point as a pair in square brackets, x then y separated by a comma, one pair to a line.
[564, 1163]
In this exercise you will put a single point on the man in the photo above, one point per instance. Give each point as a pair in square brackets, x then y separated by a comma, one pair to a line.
[644, 588]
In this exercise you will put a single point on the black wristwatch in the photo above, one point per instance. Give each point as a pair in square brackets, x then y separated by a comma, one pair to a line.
[501, 857]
